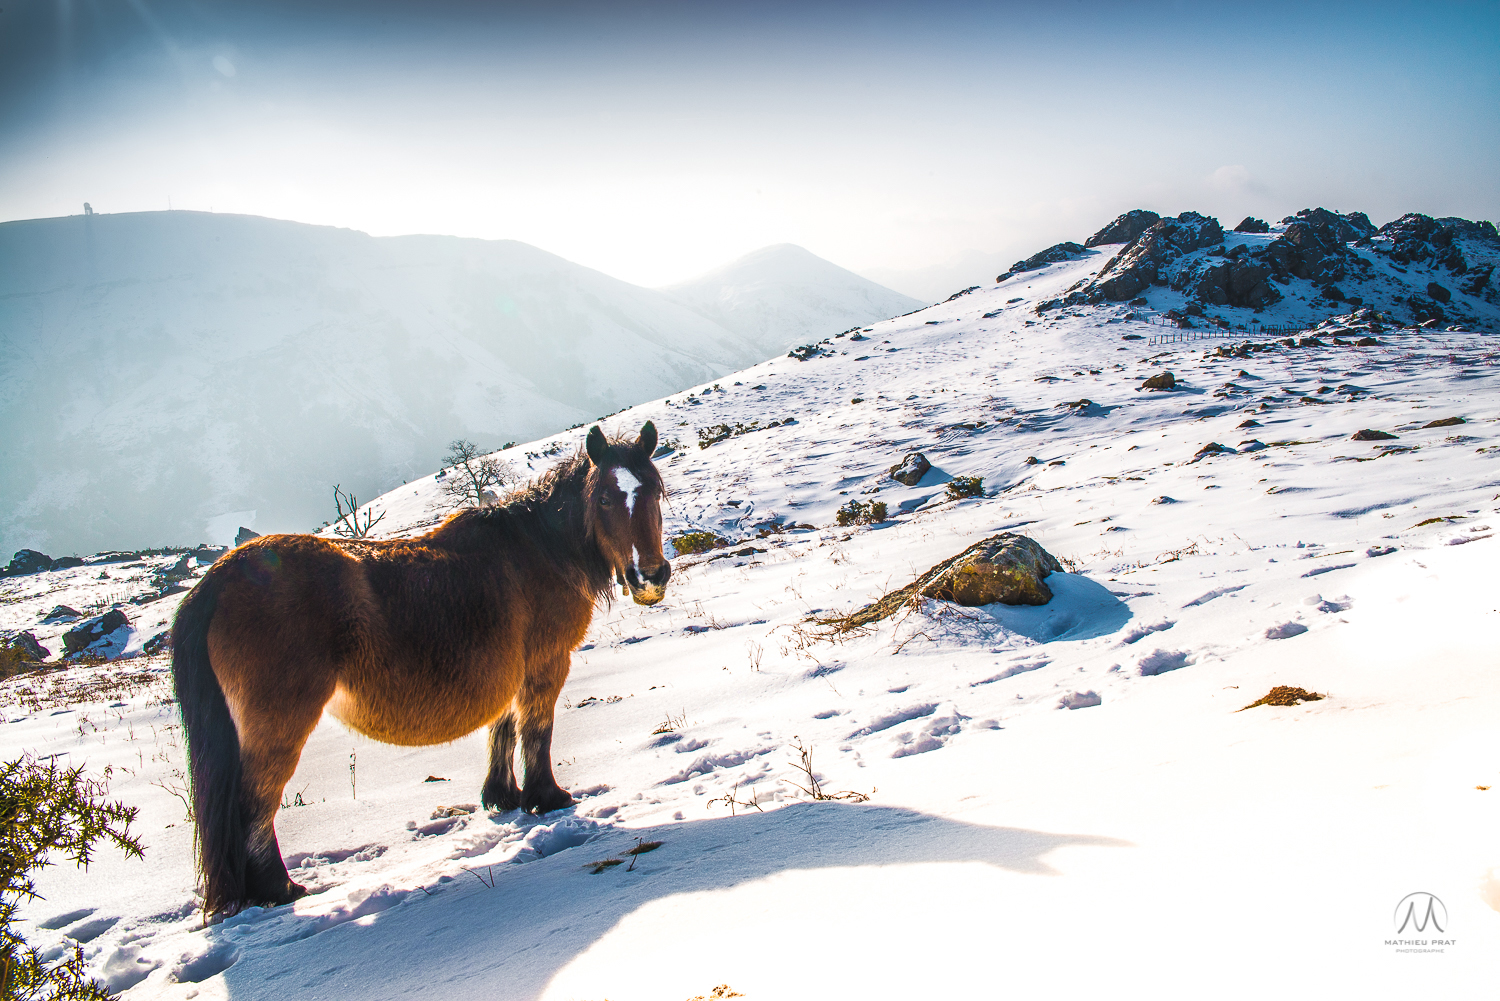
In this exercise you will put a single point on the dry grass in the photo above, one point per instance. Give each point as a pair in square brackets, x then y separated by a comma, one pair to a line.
[1284, 695]
[78, 681]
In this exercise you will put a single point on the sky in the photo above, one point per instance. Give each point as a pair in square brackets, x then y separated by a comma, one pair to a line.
[655, 141]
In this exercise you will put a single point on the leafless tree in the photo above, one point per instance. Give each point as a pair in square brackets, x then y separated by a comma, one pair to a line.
[473, 478]
[350, 524]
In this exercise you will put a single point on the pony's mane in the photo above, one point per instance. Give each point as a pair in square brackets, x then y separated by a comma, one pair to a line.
[548, 516]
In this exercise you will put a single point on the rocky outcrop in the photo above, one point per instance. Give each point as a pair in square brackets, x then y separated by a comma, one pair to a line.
[27, 561]
[1250, 224]
[1143, 262]
[1416, 238]
[1053, 254]
[1125, 228]
[1161, 380]
[910, 470]
[1345, 228]
[1238, 279]
[93, 631]
[244, 535]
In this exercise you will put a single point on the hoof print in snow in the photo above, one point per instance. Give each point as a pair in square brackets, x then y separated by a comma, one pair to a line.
[1079, 700]
[1284, 695]
[1285, 631]
[1161, 380]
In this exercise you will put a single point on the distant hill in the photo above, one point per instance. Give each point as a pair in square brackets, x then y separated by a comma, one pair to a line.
[170, 375]
[782, 295]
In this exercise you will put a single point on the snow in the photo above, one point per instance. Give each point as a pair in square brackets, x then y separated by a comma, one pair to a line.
[1158, 832]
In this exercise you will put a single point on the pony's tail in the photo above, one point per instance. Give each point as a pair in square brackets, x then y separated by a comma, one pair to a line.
[213, 746]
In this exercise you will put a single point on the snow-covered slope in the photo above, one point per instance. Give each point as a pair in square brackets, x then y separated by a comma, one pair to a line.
[781, 296]
[170, 376]
[1163, 835]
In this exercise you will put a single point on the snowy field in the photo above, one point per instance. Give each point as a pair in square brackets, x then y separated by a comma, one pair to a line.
[1157, 837]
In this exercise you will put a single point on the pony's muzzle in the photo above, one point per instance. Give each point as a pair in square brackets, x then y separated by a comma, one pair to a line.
[651, 589]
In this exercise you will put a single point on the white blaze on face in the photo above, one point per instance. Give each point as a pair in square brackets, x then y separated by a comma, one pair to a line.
[627, 482]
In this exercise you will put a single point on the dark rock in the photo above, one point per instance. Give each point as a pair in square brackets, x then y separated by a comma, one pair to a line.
[1438, 292]
[1369, 434]
[92, 631]
[27, 561]
[910, 470]
[1344, 228]
[1161, 380]
[1053, 254]
[1425, 312]
[244, 535]
[1250, 224]
[1333, 293]
[1309, 342]
[26, 645]
[1143, 262]
[1004, 568]
[66, 562]
[1138, 302]
[1125, 228]
[62, 613]
[1366, 342]
[1478, 283]
[1446, 422]
[1001, 278]
[1032, 460]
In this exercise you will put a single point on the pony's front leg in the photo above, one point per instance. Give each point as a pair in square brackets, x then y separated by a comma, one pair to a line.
[535, 705]
[501, 792]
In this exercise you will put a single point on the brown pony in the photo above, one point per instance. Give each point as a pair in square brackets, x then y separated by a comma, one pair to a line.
[410, 641]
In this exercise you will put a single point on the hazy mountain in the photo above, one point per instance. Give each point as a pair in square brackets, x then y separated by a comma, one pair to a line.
[938, 281]
[170, 375]
[782, 295]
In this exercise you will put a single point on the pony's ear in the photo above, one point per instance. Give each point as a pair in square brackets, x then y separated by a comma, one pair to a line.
[647, 441]
[596, 446]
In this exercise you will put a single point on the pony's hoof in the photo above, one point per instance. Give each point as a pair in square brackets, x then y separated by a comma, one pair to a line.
[557, 799]
[500, 800]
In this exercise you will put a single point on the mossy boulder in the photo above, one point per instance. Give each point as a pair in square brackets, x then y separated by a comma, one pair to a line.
[1005, 568]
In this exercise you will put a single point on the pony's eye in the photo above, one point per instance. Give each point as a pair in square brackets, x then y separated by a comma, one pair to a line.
[604, 500]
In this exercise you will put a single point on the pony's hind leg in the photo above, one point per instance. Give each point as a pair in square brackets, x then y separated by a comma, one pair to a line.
[500, 789]
[535, 705]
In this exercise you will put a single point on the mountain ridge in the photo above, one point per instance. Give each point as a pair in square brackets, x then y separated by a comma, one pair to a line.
[171, 376]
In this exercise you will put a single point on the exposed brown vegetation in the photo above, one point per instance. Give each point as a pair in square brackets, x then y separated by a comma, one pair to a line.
[1284, 695]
